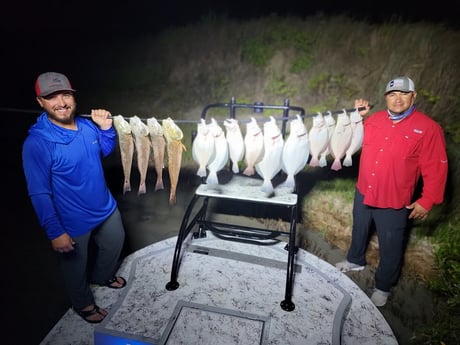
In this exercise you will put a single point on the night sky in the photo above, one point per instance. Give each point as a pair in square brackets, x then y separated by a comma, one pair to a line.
[77, 16]
[36, 33]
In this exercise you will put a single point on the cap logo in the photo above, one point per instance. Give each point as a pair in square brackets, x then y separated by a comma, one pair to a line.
[50, 82]
[397, 83]
[403, 84]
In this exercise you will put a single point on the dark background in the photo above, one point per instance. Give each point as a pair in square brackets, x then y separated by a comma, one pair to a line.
[38, 36]
[50, 35]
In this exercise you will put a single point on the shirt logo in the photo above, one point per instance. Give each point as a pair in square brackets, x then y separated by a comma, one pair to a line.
[418, 131]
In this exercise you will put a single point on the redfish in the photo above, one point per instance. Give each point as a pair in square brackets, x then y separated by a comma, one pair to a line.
[142, 144]
[173, 135]
[158, 147]
[126, 143]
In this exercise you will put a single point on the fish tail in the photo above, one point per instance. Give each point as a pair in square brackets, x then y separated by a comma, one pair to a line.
[336, 165]
[126, 187]
[347, 162]
[201, 172]
[267, 186]
[175, 149]
[249, 171]
[322, 161]
[290, 182]
[142, 189]
[212, 178]
[159, 184]
[159, 171]
[314, 162]
[172, 195]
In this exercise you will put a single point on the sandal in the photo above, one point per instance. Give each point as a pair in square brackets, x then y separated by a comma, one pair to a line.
[85, 314]
[109, 283]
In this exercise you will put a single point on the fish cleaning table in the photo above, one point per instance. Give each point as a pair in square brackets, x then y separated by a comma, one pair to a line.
[245, 190]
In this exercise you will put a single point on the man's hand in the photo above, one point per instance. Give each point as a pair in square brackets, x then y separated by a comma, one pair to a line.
[101, 118]
[362, 103]
[63, 243]
[418, 212]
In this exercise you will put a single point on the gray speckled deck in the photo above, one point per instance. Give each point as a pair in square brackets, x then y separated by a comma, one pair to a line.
[229, 293]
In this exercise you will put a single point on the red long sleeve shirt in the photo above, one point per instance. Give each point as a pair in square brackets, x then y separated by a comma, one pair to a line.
[395, 156]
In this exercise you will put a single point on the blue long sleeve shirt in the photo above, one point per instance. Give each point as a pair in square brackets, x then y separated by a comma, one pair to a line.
[65, 177]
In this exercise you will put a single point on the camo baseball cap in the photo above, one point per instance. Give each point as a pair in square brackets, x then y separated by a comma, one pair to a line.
[404, 84]
[50, 82]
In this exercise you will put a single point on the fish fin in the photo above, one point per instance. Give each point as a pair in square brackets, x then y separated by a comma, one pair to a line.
[142, 189]
[336, 165]
[201, 172]
[347, 162]
[212, 178]
[322, 161]
[159, 185]
[249, 171]
[126, 187]
[290, 182]
[314, 162]
[267, 186]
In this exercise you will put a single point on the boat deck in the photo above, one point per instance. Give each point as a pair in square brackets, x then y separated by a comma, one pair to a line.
[229, 293]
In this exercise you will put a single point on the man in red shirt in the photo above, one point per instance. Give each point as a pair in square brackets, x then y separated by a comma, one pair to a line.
[400, 146]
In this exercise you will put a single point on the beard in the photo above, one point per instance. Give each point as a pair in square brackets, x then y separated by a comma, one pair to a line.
[66, 118]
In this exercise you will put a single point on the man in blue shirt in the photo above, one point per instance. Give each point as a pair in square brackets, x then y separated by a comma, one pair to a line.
[62, 161]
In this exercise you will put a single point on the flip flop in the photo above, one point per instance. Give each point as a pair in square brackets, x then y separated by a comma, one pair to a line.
[85, 314]
[109, 283]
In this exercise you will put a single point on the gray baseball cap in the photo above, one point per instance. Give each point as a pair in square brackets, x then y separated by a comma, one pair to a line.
[404, 84]
[50, 82]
